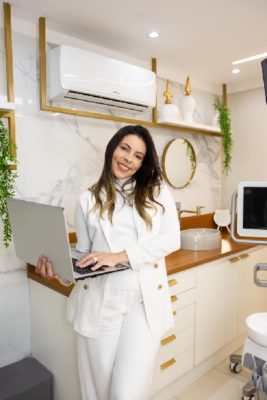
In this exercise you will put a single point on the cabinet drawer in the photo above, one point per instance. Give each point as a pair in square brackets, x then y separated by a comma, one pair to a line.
[175, 344]
[172, 370]
[181, 282]
[183, 299]
[183, 318]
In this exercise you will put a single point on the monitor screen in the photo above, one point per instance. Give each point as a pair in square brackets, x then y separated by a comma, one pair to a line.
[264, 74]
[252, 209]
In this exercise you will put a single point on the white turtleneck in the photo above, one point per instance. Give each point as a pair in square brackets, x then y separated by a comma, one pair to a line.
[123, 233]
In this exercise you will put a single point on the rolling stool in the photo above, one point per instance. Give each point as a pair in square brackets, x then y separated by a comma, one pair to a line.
[25, 380]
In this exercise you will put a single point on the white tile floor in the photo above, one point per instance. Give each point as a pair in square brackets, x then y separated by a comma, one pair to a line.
[218, 384]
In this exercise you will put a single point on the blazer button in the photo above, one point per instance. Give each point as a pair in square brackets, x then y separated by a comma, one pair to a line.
[156, 265]
[159, 287]
[85, 286]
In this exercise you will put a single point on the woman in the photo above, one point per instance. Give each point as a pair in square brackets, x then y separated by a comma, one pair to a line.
[127, 216]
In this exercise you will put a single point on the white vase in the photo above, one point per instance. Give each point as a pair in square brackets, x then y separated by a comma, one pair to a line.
[169, 113]
[188, 105]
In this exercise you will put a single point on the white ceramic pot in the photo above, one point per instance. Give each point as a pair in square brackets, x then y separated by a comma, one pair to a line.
[169, 113]
[188, 105]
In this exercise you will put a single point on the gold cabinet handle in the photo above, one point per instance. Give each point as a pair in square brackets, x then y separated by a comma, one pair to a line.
[246, 255]
[172, 282]
[167, 340]
[174, 312]
[174, 298]
[167, 363]
[233, 260]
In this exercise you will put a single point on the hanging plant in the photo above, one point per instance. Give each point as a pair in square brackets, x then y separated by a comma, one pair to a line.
[224, 121]
[7, 180]
[190, 154]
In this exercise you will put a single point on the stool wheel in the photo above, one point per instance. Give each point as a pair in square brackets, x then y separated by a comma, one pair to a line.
[235, 368]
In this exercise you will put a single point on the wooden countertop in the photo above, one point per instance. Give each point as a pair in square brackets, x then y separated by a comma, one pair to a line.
[175, 262]
[185, 259]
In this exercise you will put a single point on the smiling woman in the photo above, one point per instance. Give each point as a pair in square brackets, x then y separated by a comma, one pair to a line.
[127, 216]
[128, 157]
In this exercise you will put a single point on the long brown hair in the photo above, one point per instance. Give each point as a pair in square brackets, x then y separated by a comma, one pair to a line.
[148, 177]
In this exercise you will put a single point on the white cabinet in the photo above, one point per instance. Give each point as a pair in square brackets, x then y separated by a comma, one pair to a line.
[176, 354]
[251, 298]
[210, 305]
[216, 307]
[225, 296]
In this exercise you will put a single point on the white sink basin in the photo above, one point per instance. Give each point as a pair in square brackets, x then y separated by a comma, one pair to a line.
[200, 239]
[257, 328]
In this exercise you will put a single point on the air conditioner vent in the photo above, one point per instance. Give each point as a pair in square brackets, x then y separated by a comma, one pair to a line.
[101, 100]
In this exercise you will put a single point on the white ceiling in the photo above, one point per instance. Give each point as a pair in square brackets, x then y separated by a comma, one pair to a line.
[198, 37]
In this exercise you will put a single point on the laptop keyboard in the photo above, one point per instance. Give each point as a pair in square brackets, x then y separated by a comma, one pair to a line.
[84, 270]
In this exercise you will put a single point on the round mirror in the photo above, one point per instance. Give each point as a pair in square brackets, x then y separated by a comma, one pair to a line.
[179, 163]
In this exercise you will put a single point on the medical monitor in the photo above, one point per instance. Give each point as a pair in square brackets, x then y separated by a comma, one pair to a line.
[252, 209]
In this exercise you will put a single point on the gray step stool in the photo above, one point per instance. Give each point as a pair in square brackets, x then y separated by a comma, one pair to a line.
[25, 380]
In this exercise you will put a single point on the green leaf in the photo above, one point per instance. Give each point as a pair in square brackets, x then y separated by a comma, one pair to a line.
[225, 126]
[7, 180]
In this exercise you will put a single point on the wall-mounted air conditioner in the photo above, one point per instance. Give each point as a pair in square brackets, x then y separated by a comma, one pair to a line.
[76, 74]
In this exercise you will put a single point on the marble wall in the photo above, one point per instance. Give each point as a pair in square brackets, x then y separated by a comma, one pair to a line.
[249, 124]
[59, 157]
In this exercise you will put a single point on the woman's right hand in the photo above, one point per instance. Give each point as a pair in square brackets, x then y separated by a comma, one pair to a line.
[45, 268]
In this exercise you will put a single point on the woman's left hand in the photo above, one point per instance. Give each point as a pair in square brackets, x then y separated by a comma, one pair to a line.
[110, 259]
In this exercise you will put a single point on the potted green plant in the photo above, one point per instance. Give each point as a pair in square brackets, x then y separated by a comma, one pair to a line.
[224, 121]
[7, 180]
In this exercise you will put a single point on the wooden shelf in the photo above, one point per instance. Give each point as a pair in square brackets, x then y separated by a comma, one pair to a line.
[6, 107]
[213, 130]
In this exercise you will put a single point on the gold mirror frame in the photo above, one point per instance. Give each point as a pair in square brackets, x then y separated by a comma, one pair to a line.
[7, 115]
[190, 156]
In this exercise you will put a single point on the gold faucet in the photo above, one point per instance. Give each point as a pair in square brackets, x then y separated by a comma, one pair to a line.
[197, 211]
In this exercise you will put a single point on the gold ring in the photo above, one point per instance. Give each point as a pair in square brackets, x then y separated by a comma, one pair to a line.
[95, 260]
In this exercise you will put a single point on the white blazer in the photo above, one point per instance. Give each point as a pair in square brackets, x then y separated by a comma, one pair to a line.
[147, 256]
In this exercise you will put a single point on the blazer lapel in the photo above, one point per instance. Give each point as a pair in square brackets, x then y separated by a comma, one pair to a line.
[142, 231]
[139, 224]
[105, 225]
[105, 222]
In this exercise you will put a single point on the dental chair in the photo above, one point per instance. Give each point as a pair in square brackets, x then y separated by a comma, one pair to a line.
[254, 356]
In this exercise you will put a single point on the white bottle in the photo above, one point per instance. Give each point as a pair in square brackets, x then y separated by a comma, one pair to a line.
[188, 103]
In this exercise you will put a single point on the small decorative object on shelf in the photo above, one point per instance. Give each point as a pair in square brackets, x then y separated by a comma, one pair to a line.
[168, 93]
[7, 180]
[168, 112]
[225, 126]
[188, 103]
[222, 218]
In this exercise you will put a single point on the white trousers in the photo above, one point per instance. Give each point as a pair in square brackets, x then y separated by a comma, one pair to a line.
[118, 364]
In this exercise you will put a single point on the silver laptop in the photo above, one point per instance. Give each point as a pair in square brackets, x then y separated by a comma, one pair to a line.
[40, 229]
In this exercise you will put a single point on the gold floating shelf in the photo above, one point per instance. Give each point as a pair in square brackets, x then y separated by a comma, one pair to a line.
[194, 126]
[6, 107]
